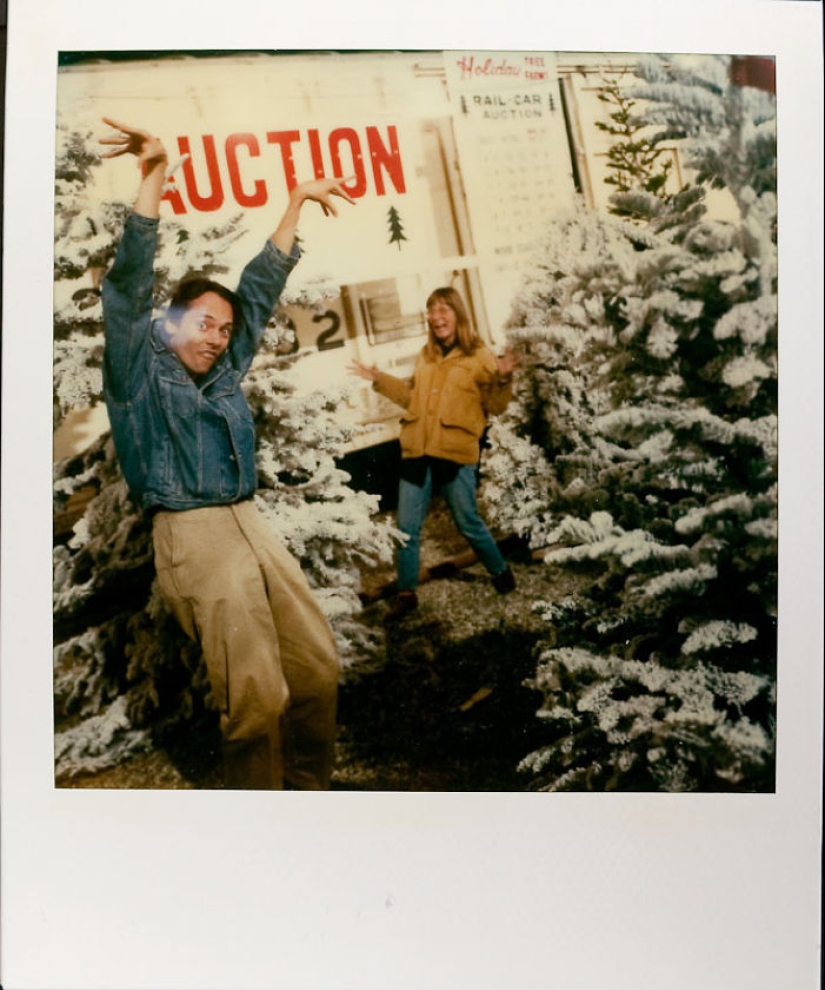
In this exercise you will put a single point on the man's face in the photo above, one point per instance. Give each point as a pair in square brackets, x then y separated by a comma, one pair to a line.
[442, 321]
[203, 333]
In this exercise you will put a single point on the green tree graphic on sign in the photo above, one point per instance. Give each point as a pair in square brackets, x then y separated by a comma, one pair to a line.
[396, 230]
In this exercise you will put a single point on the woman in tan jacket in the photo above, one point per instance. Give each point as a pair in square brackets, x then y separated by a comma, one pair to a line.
[457, 383]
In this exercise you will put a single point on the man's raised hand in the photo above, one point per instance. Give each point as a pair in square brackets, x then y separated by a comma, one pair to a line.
[322, 191]
[133, 141]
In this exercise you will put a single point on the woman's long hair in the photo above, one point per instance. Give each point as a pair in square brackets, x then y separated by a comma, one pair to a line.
[466, 336]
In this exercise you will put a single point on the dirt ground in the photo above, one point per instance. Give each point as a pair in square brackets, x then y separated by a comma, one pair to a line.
[444, 708]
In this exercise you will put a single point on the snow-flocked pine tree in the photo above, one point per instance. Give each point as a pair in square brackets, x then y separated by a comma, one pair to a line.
[645, 440]
[125, 676]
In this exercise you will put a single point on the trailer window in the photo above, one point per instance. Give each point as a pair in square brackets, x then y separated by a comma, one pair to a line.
[384, 316]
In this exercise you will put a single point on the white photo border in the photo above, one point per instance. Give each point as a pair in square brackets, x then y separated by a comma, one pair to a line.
[188, 889]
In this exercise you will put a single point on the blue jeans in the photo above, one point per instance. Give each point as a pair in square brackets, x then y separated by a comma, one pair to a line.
[460, 495]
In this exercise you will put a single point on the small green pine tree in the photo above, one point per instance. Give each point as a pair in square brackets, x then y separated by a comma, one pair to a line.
[639, 164]
[397, 234]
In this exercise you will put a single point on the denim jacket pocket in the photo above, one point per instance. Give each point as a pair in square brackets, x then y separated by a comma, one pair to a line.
[229, 439]
[175, 464]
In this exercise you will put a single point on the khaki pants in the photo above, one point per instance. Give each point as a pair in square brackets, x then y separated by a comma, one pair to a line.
[272, 663]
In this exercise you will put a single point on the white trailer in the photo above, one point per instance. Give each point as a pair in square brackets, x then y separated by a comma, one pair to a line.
[456, 161]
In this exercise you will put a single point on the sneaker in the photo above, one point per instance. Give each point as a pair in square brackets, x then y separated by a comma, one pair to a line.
[405, 602]
[505, 582]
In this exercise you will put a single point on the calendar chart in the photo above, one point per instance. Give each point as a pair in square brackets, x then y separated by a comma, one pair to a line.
[515, 159]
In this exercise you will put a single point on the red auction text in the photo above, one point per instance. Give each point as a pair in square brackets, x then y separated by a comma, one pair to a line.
[241, 167]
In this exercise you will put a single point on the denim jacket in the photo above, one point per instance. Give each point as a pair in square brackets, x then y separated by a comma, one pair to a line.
[182, 443]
